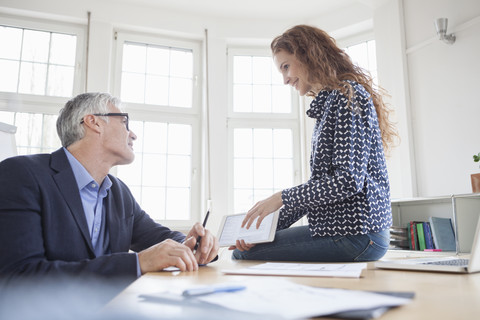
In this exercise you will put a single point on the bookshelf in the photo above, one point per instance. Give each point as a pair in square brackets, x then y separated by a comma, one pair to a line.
[463, 209]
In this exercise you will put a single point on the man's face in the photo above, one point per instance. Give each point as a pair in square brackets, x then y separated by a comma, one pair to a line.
[117, 140]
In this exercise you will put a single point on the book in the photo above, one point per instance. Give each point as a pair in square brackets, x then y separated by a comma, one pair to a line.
[421, 236]
[428, 236]
[442, 233]
[412, 234]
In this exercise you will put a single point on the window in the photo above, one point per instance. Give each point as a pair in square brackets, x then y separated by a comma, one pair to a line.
[263, 130]
[37, 62]
[157, 75]
[364, 55]
[36, 132]
[40, 66]
[156, 80]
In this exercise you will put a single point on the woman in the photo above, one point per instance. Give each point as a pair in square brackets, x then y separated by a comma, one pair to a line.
[347, 198]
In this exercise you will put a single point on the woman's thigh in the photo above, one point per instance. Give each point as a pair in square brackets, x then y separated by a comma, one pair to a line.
[296, 244]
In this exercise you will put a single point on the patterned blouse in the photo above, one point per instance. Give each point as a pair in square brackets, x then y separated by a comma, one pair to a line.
[348, 192]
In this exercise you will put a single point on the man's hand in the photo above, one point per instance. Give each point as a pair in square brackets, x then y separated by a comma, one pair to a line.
[208, 247]
[166, 254]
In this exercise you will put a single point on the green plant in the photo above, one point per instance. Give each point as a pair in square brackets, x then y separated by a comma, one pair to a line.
[476, 157]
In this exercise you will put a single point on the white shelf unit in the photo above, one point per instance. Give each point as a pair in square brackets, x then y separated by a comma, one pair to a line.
[463, 209]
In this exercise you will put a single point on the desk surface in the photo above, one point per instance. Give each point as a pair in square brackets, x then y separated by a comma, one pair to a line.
[437, 295]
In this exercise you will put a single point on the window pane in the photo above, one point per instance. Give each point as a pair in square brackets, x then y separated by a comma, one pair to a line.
[158, 61]
[133, 85]
[264, 169]
[262, 173]
[281, 99]
[35, 46]
[50, 139]
[243, 173]
[262, 143]
[180, 94]
[62, 50]
[242, 98]
[131, 173]
[262, 67]
[282, 173]
[242, 142]
[154, 169]
[262, 98]
[60, 81]
[155, 139]
[134, 58]
[32, 78]
[9, 75]
[282, 143]
[179, 171]
[31, 53]
[243, 200]
[258, 86]
[182, 64]
[157, 75]
[242, 69]
[180, 139]
[153, 202]
[156, 90]
[11, 42]
[161, 177]
[178, 204]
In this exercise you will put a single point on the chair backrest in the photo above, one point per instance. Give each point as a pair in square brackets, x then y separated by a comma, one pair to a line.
[8, 146]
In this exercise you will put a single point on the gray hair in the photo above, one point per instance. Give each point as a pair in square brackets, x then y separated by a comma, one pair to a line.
[69, 127]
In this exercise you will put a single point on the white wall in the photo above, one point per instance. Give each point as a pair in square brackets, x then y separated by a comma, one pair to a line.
[444, 82]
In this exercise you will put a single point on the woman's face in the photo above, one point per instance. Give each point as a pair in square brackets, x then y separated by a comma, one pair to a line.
[293, 72]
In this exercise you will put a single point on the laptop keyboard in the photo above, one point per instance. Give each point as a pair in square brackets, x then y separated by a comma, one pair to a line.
[453, 262]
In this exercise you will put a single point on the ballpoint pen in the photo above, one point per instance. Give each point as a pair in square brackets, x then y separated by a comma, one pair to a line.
[199, 238]
[212, 289]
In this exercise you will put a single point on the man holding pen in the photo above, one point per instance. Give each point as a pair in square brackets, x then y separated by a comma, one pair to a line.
[63, 214]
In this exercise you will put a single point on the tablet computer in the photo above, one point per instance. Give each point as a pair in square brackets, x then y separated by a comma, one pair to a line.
[231, 230]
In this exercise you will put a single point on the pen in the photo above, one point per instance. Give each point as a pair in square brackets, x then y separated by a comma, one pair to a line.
[211, 289]
[200, 238]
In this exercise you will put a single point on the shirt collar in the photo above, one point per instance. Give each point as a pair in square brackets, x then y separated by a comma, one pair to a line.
[81, 174]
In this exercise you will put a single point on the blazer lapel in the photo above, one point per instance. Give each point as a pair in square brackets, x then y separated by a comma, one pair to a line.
[67, 186]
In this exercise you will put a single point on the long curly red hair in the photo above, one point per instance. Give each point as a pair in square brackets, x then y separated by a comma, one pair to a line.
[329, 66]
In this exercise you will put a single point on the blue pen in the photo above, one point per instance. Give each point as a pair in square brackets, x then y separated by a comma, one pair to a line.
[212, 289]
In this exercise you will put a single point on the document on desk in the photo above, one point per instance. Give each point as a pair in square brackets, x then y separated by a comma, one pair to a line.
[282, 299]
[342, 270]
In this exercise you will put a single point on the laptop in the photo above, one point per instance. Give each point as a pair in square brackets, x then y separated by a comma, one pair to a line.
[456, 264]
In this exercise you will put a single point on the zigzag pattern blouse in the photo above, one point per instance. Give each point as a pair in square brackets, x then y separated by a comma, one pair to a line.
[348, 192]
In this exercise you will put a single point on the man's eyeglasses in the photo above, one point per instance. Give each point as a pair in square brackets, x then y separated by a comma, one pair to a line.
[113, 114]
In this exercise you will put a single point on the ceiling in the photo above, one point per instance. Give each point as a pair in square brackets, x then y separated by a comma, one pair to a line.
[252, 9]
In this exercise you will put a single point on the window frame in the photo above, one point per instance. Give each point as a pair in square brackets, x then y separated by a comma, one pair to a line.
[156, 113]
[259, 120]
[32, 103]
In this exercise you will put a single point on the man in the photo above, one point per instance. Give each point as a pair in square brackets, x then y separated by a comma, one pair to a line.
[63, 214]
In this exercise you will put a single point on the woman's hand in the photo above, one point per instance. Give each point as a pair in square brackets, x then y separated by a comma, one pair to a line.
[242, 246]
[262, 209]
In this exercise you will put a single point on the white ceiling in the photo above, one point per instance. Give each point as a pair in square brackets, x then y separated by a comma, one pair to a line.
[247, 9]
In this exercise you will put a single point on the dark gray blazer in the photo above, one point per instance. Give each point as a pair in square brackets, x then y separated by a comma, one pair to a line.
[43, 229]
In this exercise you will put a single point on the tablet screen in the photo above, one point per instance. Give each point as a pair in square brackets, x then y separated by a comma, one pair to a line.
[231, 230]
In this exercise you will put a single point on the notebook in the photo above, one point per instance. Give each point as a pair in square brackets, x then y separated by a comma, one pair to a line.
[456, 264]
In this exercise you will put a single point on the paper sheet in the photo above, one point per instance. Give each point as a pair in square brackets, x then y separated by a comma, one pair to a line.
[282, 299]
[348, 270]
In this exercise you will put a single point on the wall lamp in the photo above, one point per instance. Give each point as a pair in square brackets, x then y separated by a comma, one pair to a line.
[441, 26]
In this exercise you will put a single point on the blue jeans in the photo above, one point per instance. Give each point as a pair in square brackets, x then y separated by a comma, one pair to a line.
[296, 244]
